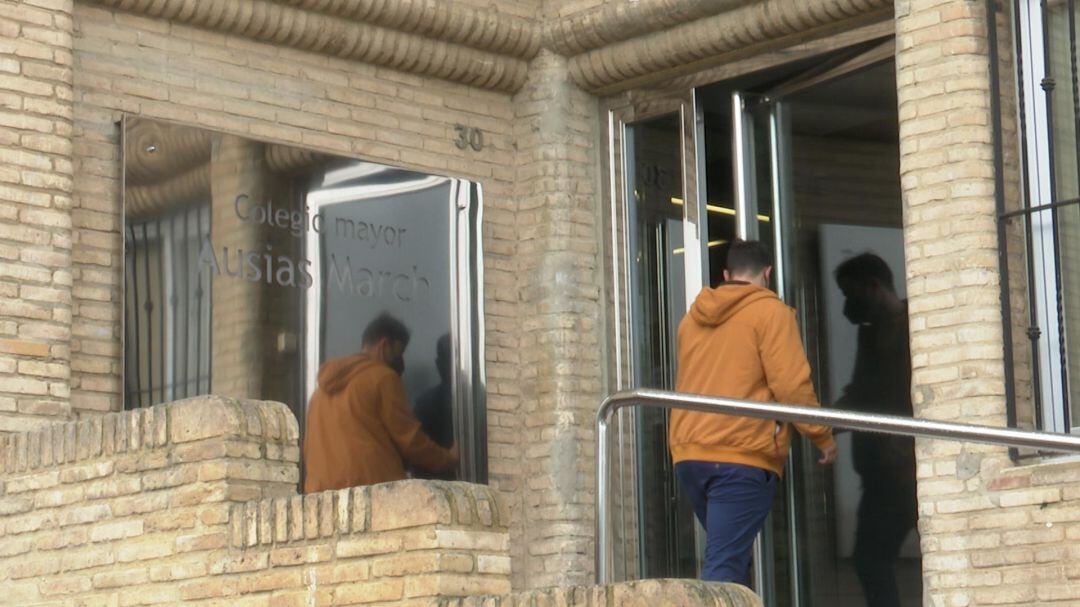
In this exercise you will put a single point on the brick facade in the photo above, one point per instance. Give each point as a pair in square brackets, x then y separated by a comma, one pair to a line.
[36, 182]
[303, 73]
[992, 533]
[196, 501]
[559, 352]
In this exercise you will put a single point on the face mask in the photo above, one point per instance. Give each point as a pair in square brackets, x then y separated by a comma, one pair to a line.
[398, 365]
[857, 311]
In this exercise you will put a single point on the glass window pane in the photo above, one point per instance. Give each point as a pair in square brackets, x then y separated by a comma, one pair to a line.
[720, 186]
[250, 264]
[657, 255]
[1060, 67]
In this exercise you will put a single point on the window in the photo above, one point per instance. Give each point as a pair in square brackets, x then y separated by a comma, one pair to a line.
[167, 354]
[249, 264]
[1040, 210]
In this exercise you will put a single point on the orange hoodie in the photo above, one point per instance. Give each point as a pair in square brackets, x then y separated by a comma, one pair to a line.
[360, 430]
[740, 341]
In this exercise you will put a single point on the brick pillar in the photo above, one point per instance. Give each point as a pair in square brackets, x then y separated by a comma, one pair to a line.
[947, 176]
[240, 336]
[556, 137]
[35, 211]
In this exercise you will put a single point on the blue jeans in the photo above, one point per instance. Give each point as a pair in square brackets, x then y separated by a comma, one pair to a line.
[731, 501]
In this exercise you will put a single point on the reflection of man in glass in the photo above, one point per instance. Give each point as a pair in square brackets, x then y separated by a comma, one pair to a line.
[880, 383]
[359, 427]
[433, 407]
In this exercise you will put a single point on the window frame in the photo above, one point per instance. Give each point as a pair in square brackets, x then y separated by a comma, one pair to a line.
[1040, 204]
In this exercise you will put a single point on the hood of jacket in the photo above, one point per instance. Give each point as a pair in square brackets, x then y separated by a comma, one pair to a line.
[716, 306]
[336, 374]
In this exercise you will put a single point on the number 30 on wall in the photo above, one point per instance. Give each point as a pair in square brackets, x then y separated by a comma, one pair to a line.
[469, 137]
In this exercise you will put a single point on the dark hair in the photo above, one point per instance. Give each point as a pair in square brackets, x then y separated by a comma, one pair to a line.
[385, 326]
[864, 268]
[748, 257]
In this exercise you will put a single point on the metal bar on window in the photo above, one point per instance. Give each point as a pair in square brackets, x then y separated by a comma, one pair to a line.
[1063, 346]
[1027, 115]
[125, 336]
[186, 294]
[149, 304]
[174, 306]
[204, 232]
[999, 204]
[161, 308]
[1051, 87]
[1059, 301]
[1022, 10]
[1030, 210]
[134, 284]
[1075, 73]
[1033, 323]
[199, 294]
[148, 307]
[1048, 85]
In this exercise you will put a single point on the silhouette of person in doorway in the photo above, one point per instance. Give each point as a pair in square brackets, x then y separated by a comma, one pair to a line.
[880, 383]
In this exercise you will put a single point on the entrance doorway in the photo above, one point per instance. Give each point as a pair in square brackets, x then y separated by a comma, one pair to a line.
[806, 159]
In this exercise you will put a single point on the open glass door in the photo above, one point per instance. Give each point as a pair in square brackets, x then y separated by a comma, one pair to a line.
[654, 222]
[804, 157]
[816, 157]
[757, 177]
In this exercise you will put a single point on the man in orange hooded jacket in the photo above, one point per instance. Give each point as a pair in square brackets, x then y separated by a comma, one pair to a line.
[360, 429]
[738, 341]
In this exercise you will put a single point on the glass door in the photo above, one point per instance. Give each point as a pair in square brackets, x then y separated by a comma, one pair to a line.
[816, 159]
[756, 153]
[804, 157]
[655, 219]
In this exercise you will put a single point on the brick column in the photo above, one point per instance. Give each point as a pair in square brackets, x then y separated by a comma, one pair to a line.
[556, 136]
[35, 211]
[947, 176]
[241, 337]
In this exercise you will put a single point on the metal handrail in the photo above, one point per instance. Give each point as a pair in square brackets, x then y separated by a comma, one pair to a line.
[849, 420]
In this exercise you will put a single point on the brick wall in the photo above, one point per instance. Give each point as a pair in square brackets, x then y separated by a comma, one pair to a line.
[992, 533]
[195, 501]
[35, 211]
[159, 70]
[67, 74]
[559, 356]
[156, 69]
[166, 71]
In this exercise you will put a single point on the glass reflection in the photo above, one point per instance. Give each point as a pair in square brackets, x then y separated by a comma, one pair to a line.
[846, 275]
[880, 383]
[842, 535]
[249, 265]
[657, 253]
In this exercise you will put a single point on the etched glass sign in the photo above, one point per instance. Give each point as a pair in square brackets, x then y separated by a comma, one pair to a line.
[249, 264]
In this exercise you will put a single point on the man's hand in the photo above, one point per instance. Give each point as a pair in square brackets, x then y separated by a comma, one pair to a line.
[828, 454]
[455, 454]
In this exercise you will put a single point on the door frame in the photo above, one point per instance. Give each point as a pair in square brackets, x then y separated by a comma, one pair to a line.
[619, 115]
[681, 96]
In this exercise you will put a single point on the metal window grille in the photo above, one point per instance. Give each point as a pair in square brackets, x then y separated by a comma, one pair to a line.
[167, 308]
[1039, 234]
